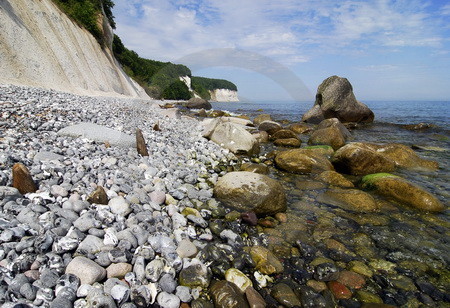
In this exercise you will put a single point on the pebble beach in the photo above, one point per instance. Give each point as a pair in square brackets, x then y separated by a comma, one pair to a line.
[109, 226]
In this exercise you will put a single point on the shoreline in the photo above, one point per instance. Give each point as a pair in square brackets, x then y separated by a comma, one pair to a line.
[174, 241]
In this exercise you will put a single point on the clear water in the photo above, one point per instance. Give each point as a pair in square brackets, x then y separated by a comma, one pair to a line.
[416, 242]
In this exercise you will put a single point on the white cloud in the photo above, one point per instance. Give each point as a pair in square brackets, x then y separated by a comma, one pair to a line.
[378, 68]
[289, 31]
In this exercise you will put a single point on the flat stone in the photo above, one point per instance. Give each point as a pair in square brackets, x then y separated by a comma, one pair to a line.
[99, 133]
[87, 270]
[285, 295]
[186, 249]
[118, 270]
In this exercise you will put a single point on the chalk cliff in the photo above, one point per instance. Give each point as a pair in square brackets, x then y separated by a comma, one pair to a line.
[40, 46]
[224, 95]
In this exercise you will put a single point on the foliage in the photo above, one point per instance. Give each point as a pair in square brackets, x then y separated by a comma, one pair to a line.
[177, 90]
[160, 79]
[211, 84]
[200, 90]
[86, 13]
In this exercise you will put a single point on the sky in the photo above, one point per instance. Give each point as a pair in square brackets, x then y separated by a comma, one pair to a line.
[284, 49]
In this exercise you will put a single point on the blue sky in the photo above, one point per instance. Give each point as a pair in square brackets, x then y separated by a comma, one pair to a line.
[283, 49]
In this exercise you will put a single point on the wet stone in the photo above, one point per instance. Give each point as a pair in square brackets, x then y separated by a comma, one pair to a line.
[339, 290]
[326, 272]
[285, 295]
[227, 295]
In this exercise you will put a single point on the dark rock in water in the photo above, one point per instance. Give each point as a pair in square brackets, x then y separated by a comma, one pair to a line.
[248, 191]
[300, 128]
[256, 168]
[195, 276]
[140, 143]
[22, 179]
[254, 299]
[349, 199]
[419, 126]
[227, 295]
[201, 303]
[330, 132]
[270, 127]
[288, 142]
[98, 196]
[335, 99]
[261, 118]
[249, 218]
[285, 295]
[399, 189]
[303, 161]
[326, 272]
[283, 134]
[198, 103]
[359, 159]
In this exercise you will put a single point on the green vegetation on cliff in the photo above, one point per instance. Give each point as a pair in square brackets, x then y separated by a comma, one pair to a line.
[87, 14]
[211, 84]
[159, 79]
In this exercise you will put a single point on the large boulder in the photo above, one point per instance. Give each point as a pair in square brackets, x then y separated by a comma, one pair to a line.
[330, 132]
[198, 103]
[402, 191]
[270, 127]
[248, 191]
[235, 138]
[358, 158]
[403, 156]
[335, 99]
[303, 161]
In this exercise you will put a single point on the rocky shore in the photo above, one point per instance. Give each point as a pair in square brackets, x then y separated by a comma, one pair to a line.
[194, 225]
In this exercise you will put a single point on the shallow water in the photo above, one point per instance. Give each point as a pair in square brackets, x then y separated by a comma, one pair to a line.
[414, 244]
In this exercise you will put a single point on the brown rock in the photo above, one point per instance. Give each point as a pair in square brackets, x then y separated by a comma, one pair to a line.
[261, 118]
[303, 161]
[339, 290]
[313, 115]
[283, 134]
[351, 279]
[22, 179]
[254, 299]
[227, 295]
[403, 156]
[198, 103]
[217, 114]
[402, 191]
[118, 270]
[327, 136]
[248, 191]
[349, 199]
[98, 196]
[288, 143]
[256, 168]
[266, 262]
[140, 143]
[359, 159]
[261, 136]
[335, 179]
[300, 128]
[285, 295]
[270, 127]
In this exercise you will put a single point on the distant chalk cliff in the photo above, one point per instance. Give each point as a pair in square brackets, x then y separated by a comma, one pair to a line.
[40, 46]
[224, 95]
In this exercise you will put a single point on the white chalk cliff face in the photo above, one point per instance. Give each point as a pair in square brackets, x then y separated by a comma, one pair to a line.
[40, 46]
[224, 95]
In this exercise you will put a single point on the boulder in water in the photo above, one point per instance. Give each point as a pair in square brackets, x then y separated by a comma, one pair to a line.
[358, 158]
[349, 199]
[335, 99]
[303, 161]
[330, 132]
[198, 103]
[402, 191]
[261, 118]
[248, 191]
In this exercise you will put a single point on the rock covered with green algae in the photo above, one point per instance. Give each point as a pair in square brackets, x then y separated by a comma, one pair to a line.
[266, 262]
[248, 191]
[402, 191]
